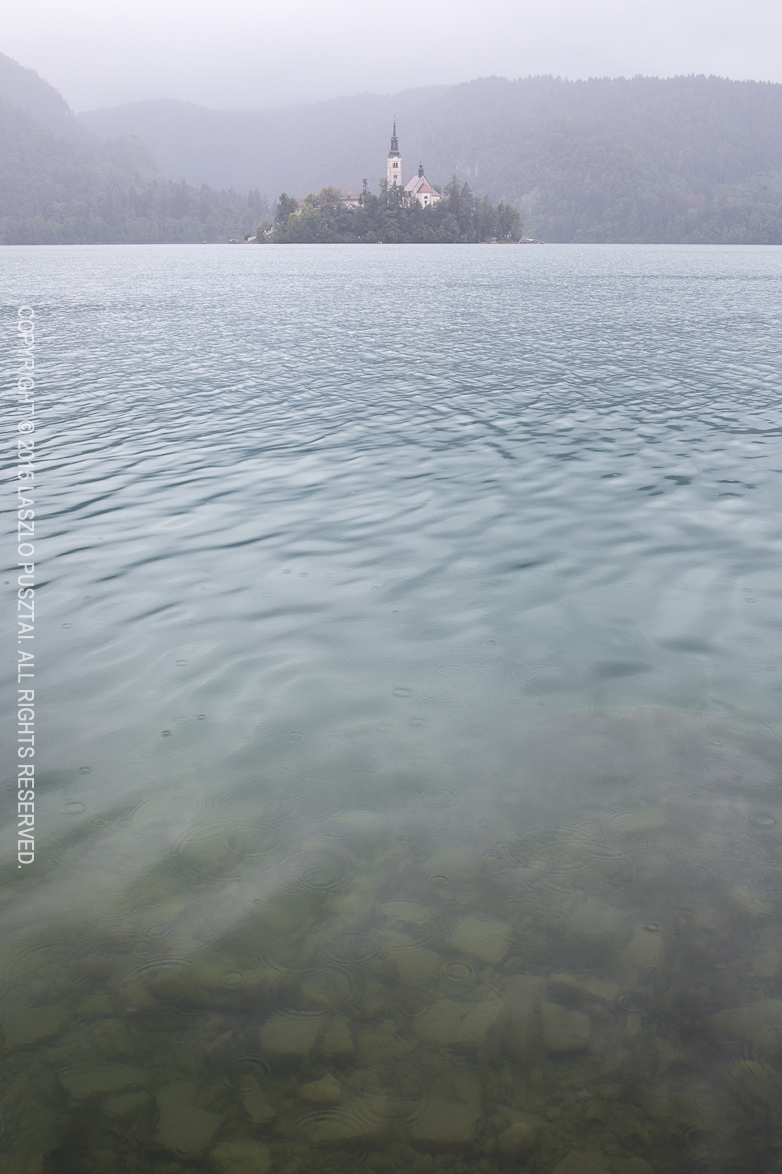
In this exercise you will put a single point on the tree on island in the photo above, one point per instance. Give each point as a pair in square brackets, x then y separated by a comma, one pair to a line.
[458, 218]
[285, 205]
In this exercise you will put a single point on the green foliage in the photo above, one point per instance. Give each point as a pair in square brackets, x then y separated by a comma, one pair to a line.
[285, 206]
[24, 89]
[61, 186]
[458, 218]
[680, 160]
[610, 159]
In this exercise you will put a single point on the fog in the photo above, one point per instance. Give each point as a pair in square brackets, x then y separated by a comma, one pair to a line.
[242, 55]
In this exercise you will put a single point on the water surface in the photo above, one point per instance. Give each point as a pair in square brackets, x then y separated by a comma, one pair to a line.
[408, 674]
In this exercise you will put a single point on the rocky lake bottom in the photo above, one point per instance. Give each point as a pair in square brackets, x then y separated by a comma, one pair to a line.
[498, 978]
[408, 757]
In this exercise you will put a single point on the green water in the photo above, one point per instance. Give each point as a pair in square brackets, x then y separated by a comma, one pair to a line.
[408, 760]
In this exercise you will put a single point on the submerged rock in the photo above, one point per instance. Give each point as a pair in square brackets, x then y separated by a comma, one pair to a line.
[337, 1042]
[579, 1163]
[184, 1128]
[767, 961]
[520, 1138]
[594, 923]
[638, 820]
[524, 996]
[34, 1025]
[290, 1036]
[205, 854]
[758, 1024]
[381, 1043]
[447, 1022]
[97, 1004]
[563, 1030]
[255, 1102]
[414, 964]
[82, 1083]
[645, 952]
[25, 1164]
[363, 1119]
[125, 1104]
[585, 986]
[210, 982]
[241, 1157]
[406, 912]
[485, 938]
[757, 1081]
[111, 1039]
[632, 1166]
[442, 1124]
[325, 1091]
[749, 900]
[417, 966]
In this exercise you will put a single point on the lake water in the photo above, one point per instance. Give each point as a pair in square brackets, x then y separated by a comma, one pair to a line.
[409, 752]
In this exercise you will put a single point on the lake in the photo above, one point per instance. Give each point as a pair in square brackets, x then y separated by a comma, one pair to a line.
[408, 751]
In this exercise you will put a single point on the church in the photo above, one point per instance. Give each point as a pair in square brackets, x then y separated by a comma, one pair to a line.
[418, 188]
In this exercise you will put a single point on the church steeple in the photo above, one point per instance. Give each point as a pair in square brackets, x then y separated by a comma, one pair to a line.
[394, 164]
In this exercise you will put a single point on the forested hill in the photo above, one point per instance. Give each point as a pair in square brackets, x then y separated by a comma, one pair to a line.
[692, 159]
[295, 149]
[60, 184]
[646, 159]
[687, 159]
[25, 90]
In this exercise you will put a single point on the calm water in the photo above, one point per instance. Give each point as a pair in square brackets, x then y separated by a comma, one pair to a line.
[409, 659]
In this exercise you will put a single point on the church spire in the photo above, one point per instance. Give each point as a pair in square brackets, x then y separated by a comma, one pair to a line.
[394, 152]
[394, 162]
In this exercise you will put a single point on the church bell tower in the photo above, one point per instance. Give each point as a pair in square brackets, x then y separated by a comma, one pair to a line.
[394, 164]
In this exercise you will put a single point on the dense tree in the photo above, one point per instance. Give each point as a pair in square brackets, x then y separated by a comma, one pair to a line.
[685, 159]
[256, 202]
[62, 186]
[458, 218]
[285, 206]
[682, 159]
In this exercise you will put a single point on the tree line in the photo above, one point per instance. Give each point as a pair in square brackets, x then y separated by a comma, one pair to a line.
[72, 189]
[679, 160]
[160, 212]
[684, 159]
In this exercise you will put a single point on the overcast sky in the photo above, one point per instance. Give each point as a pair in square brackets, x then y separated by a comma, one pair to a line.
[254, 54]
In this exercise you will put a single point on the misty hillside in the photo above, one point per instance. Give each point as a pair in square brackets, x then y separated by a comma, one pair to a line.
[646, 159]
[296, 149]
[681, 159]
[61, 184]
[25, 90]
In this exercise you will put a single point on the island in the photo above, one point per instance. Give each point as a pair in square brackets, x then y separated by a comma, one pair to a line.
[417, 212]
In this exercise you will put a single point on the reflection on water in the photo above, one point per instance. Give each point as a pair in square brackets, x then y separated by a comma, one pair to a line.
[409, 798]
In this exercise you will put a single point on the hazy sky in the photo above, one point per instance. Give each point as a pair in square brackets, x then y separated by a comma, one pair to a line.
[251, 54]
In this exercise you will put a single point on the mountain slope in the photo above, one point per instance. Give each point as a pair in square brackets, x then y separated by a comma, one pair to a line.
[679, 159]
[642, 159]
[60, 184]
[299, 149]
[24, 89]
